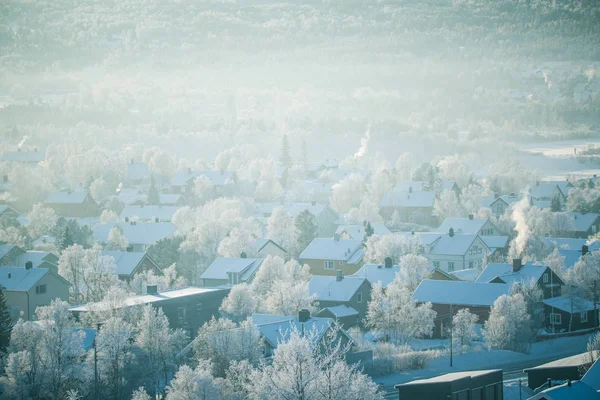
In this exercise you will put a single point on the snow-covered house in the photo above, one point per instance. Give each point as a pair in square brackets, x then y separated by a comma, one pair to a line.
[130, 263]
[26, 158]
[447, 297]
[72, 204]
[267, 247]
[384, 274]
[546, 191]
[548, 281]
[145, 213]
[451, 252]
[499, 204]
[186, 308]
[470, 226]
[325, 256]
[358, 231]
[569, 313]
[409, 206]
[7, 212]
[227, 271]
[27, 288]
[139, 235]
[584, 225]
[351, 291]
[558, 370]
[137, 172]
[171, 199]
[223, 182]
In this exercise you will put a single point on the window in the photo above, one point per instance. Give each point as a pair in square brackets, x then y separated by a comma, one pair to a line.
[450, 266]
[555, 319]
[546, 277]
[471, 264]
[40, 289]
[436, 264]
[583, 316]
[328, 264]
[233, 278]
[182, 314]
[479, 263]
[359, 297]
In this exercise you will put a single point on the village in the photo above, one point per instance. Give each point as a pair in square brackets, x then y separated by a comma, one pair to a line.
[386, 271]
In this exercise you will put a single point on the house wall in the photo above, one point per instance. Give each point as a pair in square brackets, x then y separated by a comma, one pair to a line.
[27, 302]
[442, 320]
[487, 227]
[210, 283]
[273, 250]
[467, 261]
[10, 258]
[575, 323]
[326, 226]
[317, 267]
[346, 322]
[538, 377]
[17, 303]
[361, 307]
[88, 208]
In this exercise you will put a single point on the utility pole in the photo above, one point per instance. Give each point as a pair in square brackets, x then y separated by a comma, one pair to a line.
[595, 304]
[98, 325]
[451, 328]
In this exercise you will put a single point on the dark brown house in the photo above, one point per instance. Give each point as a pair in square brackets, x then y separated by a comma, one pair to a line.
[569, 313]
[72, 204]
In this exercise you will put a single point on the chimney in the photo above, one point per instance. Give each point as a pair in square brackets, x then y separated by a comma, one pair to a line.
[243, 254]
[126, 219]
[410, 189]
[336, 237]
[19, 149]
[189, 170]
[28, 265]
[9, 275]
[339, 276]
[152, 289]
[129, 249]
[584, 250]
[517, 264]
[155, 219]
[496, 195]
[471, 217]
[388, 262]
[303, 315]
[451, 232]
[314, 203]
[549, 382]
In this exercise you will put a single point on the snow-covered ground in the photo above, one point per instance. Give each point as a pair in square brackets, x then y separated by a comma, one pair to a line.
[512, 391]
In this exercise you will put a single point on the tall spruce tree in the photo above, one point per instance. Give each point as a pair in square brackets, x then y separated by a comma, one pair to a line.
[306, 229]
[285, 159]
[153, 196]
[5, 323]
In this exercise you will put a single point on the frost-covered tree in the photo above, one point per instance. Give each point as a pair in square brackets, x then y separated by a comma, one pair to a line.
[153, 197]
[378, 248]
[368, 210]
[194, 384]
[42, 220]
[203, 188]
[108, 216]
[240, 302]
[347, 193]
[288, 298]
[508, 327]
[587, 271]
[116, 239]
[413, 269]
[455, 169]
[404, 166]
[397, 315]
[285, 159]
[584, 200]
[168, 279]
[448, 205]
[240, 240]
[463, 328]
[16, 236]
[556, 262]
[71, 267]
[281, 229]
[160, 343]
[306, 229]
[140, 394]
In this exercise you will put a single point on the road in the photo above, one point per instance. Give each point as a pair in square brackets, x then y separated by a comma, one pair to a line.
[510, 372]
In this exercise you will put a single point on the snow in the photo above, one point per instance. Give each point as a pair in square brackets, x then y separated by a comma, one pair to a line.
[515, 391]
[464, 226]
[453, 245]
[406, 199]
[576, 390]
[126, 261]
[358, 231]
[342, 311]
[21, 279]
[331, 249]
[140, 233]
[404, 186]
[327, 288]
[568, 304]
[583, 222]
[459, 292]
[169, 198]
[592, 376]
[222, 265]
[217, 178]
[149, 213]
[495, 242]
[23, 156]
[543, 190]
[469, 275]
[505, 272]
[378, 273]
[76, 197]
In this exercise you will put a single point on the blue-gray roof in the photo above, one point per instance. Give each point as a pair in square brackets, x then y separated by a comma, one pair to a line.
[21, 279]
[126, 261]
[223, 265]
[140, 233]
[149, 212]
[76, 197]
[23, 156]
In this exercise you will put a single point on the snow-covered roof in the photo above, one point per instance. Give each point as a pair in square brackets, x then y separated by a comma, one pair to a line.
[505, 272]
[5, 249]
[222, 265]
[169, 198]
[448, 185]
[131, 195]
[21, 279]
[495, 242]
[377, 273]
[36, 258]
[341, 311]
[358, 231]
[542, 190]
[541, 203]
[570, 243]
[328, 288]
[453, 245]
[43, 240]
[570, 304]
[126, 261]
[294, 209]
[465, 226]
[217, 178]
[331, 249]
[583, 222]
[146, 298]
[469, 275]
[76, 197]
[341, 173]
[459, 292]
[23, 156]
[276, 328]
[405, 186]
[592, 376]
[258, 244]
[571, 257]
[4, 208]
[140, 233]
[407, 200]
[576, 390]
[148, 213]
[137, 171]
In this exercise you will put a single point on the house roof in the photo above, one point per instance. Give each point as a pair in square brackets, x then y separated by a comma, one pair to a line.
[169, 198]
[341, 311]
[495, 242]
[147, 298]
[126, 261]
[36, 258]
[378, 273]
[459, 292]
[21, 279]
[4, 208]
[137, 171]
[583, 222]
[294, 209]
[407, 200]
[358, 231]
[469, 275]
[131, 195]
[140, 233]
[5, 249]
[571, 257]
[222, 265]
[570, 243]
[572, 361]
[543, 190]
[148, 212]
[43, 240]
[465, 226]
[577, 390]
[217, 178]
[570, 304]
[276, 328]
[23, 156]
[328, 288]
[259, 244]
[76, 197]
[453, 245]
[341, 173]
[592, 376]
[505, 272]
[331, 249]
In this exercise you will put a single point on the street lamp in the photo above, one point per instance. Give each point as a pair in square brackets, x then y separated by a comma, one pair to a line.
[98, 326]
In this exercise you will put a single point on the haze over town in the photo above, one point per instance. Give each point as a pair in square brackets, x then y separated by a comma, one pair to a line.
[299, 200]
